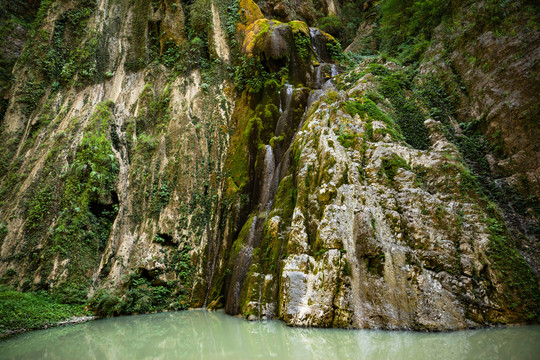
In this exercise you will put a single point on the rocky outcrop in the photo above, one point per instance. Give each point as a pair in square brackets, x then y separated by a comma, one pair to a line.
[367, 232]
[112, 174]
[140, 171]
[346, 225]
[489, 68]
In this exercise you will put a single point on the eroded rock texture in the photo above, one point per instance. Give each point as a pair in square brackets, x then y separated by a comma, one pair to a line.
[165, 154]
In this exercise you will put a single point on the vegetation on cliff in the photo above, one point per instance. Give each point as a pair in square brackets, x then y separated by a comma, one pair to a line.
[199, 153]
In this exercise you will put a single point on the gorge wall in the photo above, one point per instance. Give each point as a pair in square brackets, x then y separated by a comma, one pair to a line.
[227, 154]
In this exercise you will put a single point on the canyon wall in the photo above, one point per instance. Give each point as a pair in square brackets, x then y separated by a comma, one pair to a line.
[227, 154]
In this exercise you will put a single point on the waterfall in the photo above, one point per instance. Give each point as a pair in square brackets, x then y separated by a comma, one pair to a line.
[267, 177]
[285, 109]
[275, 162]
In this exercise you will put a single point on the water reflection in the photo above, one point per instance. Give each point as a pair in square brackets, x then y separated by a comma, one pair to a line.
[213, 335]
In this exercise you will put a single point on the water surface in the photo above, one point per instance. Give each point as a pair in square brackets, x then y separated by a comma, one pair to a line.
[205, 335]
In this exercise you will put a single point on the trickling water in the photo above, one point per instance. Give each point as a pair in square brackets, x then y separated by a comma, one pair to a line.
[241, 266]
[313, 97]
[315, 37]
[285, 107]
[268, 174]
[273, 165]
[318, 77]
[333, 70]
[199, 334]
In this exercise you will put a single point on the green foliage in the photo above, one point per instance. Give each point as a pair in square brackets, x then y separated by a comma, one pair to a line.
[522, 293]
[88, 204]
[160, 198]
[390, 166]
[406, 110]
[439, 102]
[64, 60]
[3, 232]
[93, 172]
[59, 58]
[407, 26]
[335, 51]
[375, 264]
[331, 24]
[104, 302]
[352, 15]
[233, 18]
[157, 114]
[251, 75]
[159, 239]
[171, 54]
[32, 310]
[31, 94]
[302, 44]
[143, 297]
[199, 19]
[143, 293]
[39, 207]
[70, 293]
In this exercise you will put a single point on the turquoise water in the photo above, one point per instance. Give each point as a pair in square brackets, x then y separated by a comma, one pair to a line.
[205, 335]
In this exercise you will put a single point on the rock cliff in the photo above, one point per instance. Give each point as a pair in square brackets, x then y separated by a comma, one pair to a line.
[165, 154]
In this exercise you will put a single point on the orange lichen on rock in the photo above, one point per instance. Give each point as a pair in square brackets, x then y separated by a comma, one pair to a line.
[250, 13]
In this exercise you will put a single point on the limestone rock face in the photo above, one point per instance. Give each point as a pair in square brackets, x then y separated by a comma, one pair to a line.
[110, 167]
[164, 154]
[491, 71]
[355, 227]
[381, 235]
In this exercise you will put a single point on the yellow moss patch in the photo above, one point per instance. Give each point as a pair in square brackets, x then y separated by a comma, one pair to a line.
[251, 13]
[328, 36]
[232, 189]
[254, 34]
[299, 26]
[238, 157]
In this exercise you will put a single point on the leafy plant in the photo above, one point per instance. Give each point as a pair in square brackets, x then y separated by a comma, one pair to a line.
[32, 310]
[302, 44]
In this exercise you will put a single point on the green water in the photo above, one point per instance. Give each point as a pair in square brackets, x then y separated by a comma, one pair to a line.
[213, 335]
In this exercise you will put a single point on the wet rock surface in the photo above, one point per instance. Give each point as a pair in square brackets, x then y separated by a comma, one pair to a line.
[282, 189]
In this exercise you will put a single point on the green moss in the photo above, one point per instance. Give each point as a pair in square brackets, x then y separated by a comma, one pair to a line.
[299, 27]
[238, 161]
[136, 58]
[88, 211]
[242, 237]
[251, 290]
[348, 139]
[522, 292]
[285, 198]
[346, 268]
[390, 166]
[408, 115]
[365, 107]
[32, 310]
